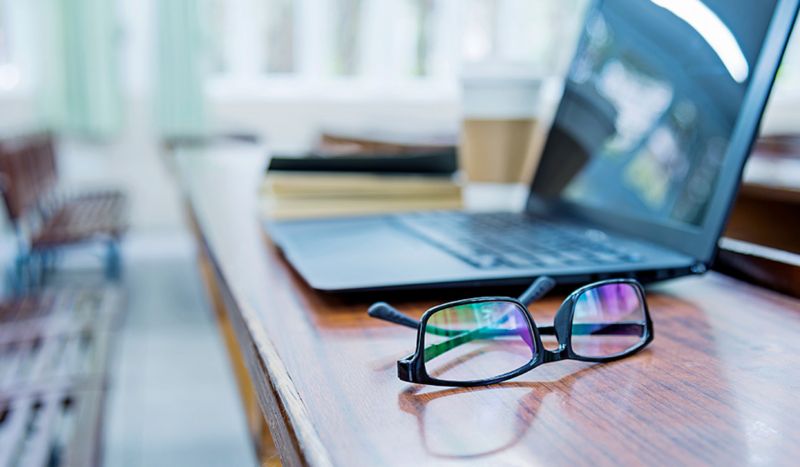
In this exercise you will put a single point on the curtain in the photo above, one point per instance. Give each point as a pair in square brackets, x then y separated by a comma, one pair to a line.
[180, 68]
[79, 81]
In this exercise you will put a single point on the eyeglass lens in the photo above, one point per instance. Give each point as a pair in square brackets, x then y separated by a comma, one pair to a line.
[477, 341]
[608, 320]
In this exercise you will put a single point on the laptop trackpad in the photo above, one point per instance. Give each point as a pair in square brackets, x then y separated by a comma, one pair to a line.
[362, 253]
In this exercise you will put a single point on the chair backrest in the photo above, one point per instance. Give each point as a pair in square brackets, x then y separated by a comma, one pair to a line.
[27, 172]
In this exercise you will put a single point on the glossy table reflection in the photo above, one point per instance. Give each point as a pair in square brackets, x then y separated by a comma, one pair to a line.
[718, 385]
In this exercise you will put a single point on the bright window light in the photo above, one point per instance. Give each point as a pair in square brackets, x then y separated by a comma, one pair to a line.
[713, 31]
[9, 77]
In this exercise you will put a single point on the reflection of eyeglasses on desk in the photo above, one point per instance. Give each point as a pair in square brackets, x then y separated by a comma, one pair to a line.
[486, 340]
[486, 428]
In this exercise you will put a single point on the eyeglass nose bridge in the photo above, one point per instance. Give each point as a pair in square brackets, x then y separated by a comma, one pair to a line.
[558, 354]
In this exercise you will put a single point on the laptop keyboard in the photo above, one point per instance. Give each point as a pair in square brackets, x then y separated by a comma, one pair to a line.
[494, 240]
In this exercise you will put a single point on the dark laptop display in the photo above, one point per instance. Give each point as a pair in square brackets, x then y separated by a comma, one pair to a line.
[660, 84]
[660, 108]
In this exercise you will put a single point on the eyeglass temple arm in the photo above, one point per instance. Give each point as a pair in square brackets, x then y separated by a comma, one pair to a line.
[624, 328]
[386, 312]
[537, 290]
[620, 328]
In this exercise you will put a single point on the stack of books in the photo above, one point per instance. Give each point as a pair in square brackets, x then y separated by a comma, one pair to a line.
[353, 175]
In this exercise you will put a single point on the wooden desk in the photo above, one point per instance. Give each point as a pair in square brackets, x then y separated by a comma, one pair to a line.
[718, 385]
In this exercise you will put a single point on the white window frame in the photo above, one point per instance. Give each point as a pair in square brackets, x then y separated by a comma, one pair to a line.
[313, 78]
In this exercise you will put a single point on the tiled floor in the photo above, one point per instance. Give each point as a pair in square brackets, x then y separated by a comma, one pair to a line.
[173, 399]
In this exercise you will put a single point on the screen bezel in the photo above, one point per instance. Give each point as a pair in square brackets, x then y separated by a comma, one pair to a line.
[700, 241]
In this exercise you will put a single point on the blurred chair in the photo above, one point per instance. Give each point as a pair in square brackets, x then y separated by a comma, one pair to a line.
[47, 220]
[55, 349]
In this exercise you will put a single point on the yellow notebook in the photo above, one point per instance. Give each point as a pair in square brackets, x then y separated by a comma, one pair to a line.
[288, 184]
[320, 207]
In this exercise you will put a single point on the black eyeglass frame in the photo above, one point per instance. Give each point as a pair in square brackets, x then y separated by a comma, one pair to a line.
[412, 368]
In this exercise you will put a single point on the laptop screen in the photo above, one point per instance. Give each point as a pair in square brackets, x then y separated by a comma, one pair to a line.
[650, 104]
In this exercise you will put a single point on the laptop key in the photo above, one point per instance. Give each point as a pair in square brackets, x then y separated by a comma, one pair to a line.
[519, 261]
[606, 258]
[485, 261]
[548, 260]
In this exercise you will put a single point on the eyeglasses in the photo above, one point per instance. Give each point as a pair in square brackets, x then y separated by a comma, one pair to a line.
[487, 340]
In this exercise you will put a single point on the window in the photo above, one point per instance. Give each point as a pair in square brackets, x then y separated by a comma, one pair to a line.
[346, 33]
[217, 21]
[278, 29]
[4, 39]
[384, 45]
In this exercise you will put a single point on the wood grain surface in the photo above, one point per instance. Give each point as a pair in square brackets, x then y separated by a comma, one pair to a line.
[717, 386]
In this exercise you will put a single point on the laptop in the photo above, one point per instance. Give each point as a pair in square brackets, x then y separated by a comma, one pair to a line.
[660, 108]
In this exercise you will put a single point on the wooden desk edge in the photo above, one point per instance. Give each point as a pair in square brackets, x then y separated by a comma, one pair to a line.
[293, 433]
